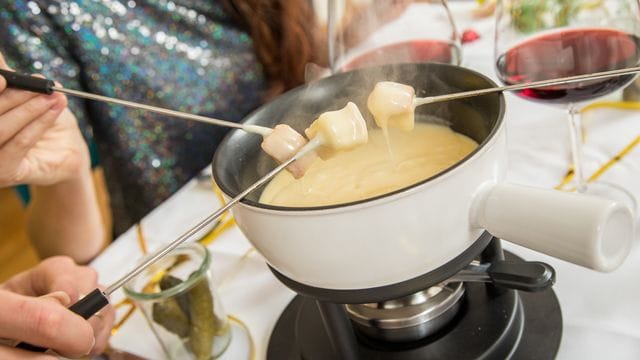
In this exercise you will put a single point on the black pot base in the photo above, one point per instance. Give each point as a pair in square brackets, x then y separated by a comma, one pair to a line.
[393, 291]
[491, 324]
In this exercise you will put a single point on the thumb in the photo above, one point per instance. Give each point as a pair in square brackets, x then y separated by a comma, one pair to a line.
[60, 297]
[3, 63]
[7, 352]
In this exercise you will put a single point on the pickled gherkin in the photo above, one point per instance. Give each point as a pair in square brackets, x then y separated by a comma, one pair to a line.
[172, 313]
[169, 314]
[189, 315]
[168, 282]
[202, 320]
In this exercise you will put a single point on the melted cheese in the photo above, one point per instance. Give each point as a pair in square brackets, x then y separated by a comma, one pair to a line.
[369, 170]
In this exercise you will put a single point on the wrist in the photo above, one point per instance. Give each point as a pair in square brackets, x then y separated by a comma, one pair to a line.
[71, 183]
[64, 218]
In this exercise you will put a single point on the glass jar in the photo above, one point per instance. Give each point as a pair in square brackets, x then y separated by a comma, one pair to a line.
[178, 300]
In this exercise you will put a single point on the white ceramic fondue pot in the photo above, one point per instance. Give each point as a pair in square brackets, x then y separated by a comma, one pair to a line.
[404, 234]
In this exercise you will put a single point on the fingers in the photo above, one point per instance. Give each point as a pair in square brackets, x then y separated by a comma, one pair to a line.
[24, 119]
[60, 297]
[19, 108]
[10, 98]
[39, 280]
[7, 352]
[3, 81]
[32, 108]
[16, 149]
[45, 323]
[82, 281]
[102, 323]
[58, 273]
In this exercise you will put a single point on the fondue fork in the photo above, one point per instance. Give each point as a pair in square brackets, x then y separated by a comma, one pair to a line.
[536, 84]
[46, 86]
[98, 299]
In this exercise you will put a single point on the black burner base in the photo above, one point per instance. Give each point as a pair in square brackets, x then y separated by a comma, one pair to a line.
[492, 324]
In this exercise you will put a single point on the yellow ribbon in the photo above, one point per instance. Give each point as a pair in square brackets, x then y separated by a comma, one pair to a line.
[623, 105]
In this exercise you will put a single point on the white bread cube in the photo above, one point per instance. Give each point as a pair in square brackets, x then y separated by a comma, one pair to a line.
[339, 130]
[392, 105]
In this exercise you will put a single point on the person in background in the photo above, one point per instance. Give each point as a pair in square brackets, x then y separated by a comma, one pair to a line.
[215, 58]
[34, 310]
[41, 145]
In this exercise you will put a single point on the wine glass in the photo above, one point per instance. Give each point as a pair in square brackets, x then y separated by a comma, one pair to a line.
[368, 33]
[545, 39]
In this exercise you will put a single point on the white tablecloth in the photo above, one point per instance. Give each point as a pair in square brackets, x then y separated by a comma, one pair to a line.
[601, 312]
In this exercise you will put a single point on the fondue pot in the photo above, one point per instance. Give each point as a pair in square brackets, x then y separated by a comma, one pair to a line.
[417, 230]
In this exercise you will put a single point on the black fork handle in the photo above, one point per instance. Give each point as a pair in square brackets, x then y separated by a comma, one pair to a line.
[27, 82]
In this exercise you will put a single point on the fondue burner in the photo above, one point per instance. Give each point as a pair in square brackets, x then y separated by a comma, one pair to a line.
[491, 308]
[409, 318]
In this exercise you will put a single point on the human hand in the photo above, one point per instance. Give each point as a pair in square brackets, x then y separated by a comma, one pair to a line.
[40, 143]
[34, 310]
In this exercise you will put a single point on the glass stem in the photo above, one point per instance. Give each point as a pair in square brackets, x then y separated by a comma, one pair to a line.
[575, 132]
[331, 34]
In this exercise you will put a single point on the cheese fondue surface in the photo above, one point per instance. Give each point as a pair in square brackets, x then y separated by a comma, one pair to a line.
[372, 169]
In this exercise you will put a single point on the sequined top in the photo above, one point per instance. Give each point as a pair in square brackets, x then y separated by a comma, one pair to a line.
[186, 55]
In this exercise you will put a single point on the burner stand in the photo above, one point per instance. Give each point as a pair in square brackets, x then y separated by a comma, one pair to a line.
[491, 324]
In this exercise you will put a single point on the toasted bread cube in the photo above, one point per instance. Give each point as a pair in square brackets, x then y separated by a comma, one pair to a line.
[392, 105]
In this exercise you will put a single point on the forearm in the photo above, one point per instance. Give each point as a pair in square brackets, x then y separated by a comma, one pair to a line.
[64, 219]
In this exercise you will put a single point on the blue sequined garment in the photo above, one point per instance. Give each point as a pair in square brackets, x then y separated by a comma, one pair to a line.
[179, 54]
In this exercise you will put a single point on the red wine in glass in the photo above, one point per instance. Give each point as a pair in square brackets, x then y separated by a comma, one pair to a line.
[423, 50]
[567, 53]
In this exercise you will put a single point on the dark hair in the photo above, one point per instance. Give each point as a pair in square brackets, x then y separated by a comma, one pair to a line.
[285, 38]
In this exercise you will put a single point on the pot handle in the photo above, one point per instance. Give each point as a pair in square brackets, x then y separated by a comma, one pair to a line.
[585, 230]
[530, 276]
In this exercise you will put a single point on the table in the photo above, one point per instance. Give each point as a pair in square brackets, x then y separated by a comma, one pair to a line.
[600, 311]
